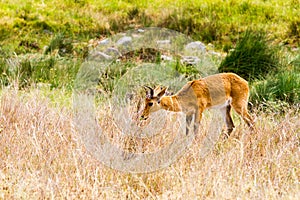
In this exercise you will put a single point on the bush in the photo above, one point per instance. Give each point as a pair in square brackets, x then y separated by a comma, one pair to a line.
[294, 30]
[61, 43]
[32, 69]
[296, 63]
[253, 57]
[284, 86]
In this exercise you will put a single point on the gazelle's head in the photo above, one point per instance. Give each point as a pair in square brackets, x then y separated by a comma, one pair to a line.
[152, 101]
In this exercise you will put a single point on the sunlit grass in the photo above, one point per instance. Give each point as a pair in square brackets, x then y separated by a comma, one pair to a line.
[85, 19]
[42, 157]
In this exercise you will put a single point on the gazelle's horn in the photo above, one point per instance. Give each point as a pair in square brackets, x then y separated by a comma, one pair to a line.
[150, 89]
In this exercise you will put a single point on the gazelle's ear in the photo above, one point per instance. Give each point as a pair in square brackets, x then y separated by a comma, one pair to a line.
[149, 91]
[157, 90]
[161, 93]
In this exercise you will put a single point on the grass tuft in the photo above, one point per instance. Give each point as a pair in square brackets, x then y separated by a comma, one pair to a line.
[252, 58]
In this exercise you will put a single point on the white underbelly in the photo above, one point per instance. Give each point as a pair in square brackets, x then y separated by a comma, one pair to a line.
[222, 105]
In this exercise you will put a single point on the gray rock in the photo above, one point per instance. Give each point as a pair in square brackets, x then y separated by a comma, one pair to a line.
[166, 58]
[190, 60]
[98, 55]
[111, 51]
[104, 42]
[214, 53]
[163, 42]
[196, 46]
[126, 40]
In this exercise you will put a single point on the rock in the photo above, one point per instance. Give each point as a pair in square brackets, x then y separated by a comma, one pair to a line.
[126, 40]
[190, 60]
[196, 46]
[214, 53]
[104, 42]
[166, 58]
[100, 56]
[211, 46]
[113, 52]
[163, 42]
[46, 31]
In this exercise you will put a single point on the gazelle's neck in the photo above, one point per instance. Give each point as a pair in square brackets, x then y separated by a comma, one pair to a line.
[170, 103]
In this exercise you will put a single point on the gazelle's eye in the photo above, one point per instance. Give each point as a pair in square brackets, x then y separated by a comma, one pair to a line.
[150, 104]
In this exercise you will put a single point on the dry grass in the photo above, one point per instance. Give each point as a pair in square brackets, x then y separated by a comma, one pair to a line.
[41, 158]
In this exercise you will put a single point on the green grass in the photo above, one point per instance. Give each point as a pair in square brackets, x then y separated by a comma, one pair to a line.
[31, 69]
[28, 26]
[253, 57]
[278, 90]
[282, 87]
[47, 41]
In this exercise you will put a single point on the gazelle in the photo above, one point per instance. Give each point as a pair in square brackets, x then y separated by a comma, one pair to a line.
[223, 91]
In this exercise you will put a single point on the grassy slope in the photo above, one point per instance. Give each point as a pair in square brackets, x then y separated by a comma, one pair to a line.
[216, 21]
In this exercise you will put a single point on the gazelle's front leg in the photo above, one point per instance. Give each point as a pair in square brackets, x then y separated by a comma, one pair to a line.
[197, 115]
[189, 119]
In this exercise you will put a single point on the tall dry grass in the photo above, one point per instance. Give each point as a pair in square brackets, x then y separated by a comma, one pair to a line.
[40, 157]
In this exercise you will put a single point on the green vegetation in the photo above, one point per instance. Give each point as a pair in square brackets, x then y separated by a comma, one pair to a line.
[29, 26]
[30, 69]
[46, 41]
[282, 87]
[253, 57]
[274, 81]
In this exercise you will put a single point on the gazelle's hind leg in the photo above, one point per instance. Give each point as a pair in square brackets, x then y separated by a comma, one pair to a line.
[241, 108]
[227, 118]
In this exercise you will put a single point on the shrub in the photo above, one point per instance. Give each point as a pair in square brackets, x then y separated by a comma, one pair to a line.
[61, 43]
[32, 69]
[294, 30]
[296, 62]
[284, 86]
[253, 57]
[26, 70]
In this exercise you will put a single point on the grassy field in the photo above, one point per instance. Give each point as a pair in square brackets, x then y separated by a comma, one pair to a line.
[28, 26]
[44, 43]
[42, 157]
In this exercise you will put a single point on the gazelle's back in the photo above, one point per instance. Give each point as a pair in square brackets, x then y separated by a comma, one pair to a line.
[214, 90]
